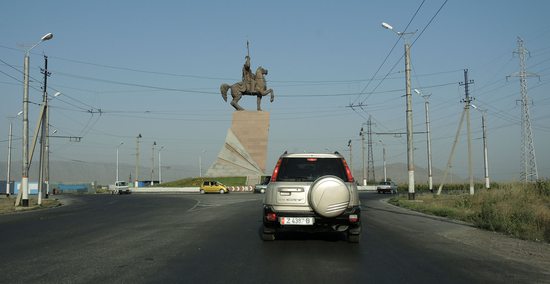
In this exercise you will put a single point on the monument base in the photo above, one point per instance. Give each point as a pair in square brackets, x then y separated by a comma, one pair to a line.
[244, 152]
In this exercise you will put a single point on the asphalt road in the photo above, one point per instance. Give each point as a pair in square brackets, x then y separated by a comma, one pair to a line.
[191, 238]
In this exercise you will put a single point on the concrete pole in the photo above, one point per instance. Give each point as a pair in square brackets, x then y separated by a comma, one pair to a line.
[350, 156]
[24, 189]
[47, 152]
[8, 174]
[136, 184]
[117, 148]
[24, 192]
[429, 143]
[362, 134]
[160, 167]
[384, 159]
[153, 163]
[410, 149]
[485, 154]
[470, 170]
[467, 102]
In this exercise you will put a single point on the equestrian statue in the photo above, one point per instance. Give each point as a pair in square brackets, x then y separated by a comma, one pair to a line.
[251, 85]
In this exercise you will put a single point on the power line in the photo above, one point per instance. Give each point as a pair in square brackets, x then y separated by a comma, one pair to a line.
[386, 58]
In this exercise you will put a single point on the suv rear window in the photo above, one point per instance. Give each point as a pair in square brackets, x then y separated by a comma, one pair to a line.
[310, 169]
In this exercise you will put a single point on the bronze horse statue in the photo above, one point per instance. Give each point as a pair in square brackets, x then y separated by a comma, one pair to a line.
[240, 88]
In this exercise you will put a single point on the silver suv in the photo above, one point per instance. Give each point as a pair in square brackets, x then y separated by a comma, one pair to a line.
[312, 192]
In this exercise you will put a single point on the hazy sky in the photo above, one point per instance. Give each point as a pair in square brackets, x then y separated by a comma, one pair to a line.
[155, 67]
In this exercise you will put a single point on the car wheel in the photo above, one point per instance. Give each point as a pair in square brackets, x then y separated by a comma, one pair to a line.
[222, 191]
[202, 191]
[329, 196]
[268, 237]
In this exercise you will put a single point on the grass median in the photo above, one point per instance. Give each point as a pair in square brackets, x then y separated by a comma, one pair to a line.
[519, 210]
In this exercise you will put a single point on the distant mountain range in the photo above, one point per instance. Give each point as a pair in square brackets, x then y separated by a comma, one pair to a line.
[100, 173]
[105, 173]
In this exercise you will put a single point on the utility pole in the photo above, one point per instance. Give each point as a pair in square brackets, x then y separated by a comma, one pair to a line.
[410, 148]
[153, 163]
[23, 196]
[350, 157]
[485, 151]
[384, 159]
[466, 112]
[47, 151]
[117, 147]
[160, 167]
[428, 138]
[370, 157]
[485, 154]
[467, 102]
[362, 134]
[136, 184]
[8, 173]
[42, 161]
[529, 171]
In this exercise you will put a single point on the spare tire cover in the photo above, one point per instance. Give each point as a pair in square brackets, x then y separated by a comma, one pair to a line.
[329, 196]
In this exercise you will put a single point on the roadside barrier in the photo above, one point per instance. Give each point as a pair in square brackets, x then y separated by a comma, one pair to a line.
[245, 188]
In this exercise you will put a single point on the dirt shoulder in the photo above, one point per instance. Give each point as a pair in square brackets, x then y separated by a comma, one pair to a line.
[529, 252]
[7, 204]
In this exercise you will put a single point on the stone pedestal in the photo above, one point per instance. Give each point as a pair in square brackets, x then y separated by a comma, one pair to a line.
[244, 152]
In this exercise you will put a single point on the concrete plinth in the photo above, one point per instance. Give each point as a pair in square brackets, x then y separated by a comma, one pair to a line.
[244, 152]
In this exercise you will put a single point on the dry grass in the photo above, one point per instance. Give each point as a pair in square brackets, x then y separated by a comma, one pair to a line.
[7, 205]
[519, 210]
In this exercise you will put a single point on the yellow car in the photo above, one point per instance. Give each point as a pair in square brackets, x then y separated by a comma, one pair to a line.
[212, 186]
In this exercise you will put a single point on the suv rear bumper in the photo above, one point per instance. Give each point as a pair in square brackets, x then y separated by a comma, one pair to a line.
[322, 224]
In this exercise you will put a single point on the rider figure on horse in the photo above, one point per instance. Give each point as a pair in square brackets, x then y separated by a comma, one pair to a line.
[249, 80]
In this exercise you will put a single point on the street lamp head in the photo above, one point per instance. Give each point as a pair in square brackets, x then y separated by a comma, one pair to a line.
[47, 36]
[387, 26]
[19, 113]
[474, 106]
[57, 94]
[417, 91]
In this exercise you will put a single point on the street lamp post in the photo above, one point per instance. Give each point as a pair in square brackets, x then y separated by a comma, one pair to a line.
[153, 163]
[117, 147]
[350, 156]
[362, 134]
[9, 162]
[26, 163]
[408, 95]
[428, 138]
[384, 159]
[136, 183]
[160, 167]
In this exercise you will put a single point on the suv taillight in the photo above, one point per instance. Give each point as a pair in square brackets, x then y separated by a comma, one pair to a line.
[348, 171]
[276, 170]
[271, 217]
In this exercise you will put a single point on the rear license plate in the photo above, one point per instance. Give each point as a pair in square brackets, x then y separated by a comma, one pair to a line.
[297, 221]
